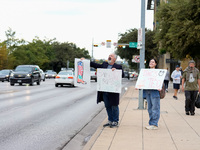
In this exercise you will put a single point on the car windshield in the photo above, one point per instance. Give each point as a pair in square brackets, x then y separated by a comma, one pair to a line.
[48, 71]
[51, 72]
[65, 73]
[92, 69]
[23, 69]
[4, 72]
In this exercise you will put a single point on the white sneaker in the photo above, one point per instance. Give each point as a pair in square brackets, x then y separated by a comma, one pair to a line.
[151, 127]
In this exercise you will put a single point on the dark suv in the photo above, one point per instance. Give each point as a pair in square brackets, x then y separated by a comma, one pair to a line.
[5, 75]
[25, 74]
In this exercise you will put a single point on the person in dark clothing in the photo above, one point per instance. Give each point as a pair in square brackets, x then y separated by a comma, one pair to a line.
[166, 80]
[111, 100]
[191, 78]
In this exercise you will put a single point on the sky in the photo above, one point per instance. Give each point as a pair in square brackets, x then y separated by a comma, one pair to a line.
[76, 21]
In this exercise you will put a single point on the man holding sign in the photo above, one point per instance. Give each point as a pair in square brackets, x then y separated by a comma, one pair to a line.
[151, 80]
[111, 99]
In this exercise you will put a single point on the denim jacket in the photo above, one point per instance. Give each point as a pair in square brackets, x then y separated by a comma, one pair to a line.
[154, 93]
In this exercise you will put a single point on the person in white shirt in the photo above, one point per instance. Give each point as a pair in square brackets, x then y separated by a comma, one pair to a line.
[176, 76]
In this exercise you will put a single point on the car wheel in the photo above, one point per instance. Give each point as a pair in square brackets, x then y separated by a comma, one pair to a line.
[38, 83]
[20, 83]
[31, 84]
[2, 81]
[56, 85]
[61, 85]
[44, 79]
[95, 80]
[12, 84]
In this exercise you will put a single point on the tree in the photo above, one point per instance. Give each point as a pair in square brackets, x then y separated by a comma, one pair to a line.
[131, 36]
[48, 54]
[3, 56]
[65, 52]
[179, 28]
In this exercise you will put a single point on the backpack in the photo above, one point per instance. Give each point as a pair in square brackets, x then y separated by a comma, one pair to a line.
[197, 102]
[162, 92]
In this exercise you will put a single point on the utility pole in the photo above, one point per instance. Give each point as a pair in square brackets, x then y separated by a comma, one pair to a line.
[142, 51]
[92, 47]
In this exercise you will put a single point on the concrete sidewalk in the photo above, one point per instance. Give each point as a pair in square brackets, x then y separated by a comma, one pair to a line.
[176, 130]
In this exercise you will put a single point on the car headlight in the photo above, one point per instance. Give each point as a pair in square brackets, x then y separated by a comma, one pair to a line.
[7, 75]
[11, 75]
[28, 75]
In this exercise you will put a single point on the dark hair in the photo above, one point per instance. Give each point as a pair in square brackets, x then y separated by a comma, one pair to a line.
[155, 62]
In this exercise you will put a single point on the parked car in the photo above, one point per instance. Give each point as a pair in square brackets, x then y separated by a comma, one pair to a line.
[25, 74]
[43, 75]
[50, 74]
[93, 74]
[64, 78]
[70, 69]
[5, 75]
[126, 74]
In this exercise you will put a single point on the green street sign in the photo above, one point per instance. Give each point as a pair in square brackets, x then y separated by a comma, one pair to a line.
[133, 44]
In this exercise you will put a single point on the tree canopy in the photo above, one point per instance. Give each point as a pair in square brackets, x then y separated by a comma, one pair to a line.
[48, 54]
[131, 36]
[178, 28]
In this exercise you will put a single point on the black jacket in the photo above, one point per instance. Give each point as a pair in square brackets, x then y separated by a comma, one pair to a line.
[113, 97]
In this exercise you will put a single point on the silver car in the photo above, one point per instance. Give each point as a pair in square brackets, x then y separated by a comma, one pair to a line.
[64, 78]
[43, 75]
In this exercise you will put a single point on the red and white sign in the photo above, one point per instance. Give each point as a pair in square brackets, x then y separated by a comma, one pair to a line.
[136, 59]
[103, 43]
[115, 44]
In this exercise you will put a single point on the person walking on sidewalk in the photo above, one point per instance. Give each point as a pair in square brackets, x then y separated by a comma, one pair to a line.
[181, 70]
[153, 101]
[176, 76]
[191, 78]
[111, 100]
[166, 80]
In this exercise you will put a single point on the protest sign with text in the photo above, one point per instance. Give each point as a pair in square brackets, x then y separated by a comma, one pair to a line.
[151, 79]
[109, 81]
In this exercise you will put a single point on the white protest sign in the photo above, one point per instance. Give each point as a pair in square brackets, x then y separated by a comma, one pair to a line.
[82, 72]
[151, 79]
[109, 81]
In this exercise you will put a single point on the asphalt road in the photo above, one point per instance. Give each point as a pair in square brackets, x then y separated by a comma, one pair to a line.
[43, 117]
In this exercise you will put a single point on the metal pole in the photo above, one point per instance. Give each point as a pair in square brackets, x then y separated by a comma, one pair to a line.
[142, 51]
[92, 47]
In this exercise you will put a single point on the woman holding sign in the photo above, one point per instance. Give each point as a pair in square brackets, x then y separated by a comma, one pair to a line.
[153, 101]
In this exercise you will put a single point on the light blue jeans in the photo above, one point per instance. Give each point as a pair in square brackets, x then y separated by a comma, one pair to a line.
[153, 108]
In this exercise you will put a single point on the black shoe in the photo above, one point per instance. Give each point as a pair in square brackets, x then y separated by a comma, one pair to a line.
[107, 124]
[187, 113]
[175, 97]
[192, 113]
[114, 124]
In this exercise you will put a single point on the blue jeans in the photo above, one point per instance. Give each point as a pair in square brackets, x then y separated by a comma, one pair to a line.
[112, 111]
[153, 108]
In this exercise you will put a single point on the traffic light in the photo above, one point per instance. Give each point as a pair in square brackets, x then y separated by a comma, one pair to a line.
[95, 45]
[122, 46]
